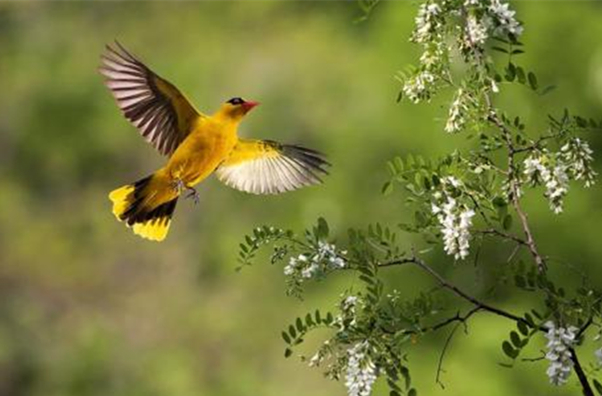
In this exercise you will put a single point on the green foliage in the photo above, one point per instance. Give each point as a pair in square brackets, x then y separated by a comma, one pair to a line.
[458, 201]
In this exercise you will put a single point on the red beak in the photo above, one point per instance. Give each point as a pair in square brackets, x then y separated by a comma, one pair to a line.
[249, 105]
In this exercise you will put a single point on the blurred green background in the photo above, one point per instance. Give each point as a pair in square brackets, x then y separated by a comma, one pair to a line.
[87, 308]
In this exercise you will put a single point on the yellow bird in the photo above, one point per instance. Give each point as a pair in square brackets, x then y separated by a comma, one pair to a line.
[197, 146]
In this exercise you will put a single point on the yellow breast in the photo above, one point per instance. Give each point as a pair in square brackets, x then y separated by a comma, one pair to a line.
[202, 151]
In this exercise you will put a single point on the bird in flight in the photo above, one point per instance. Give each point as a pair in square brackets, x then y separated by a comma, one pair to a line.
[197, 145]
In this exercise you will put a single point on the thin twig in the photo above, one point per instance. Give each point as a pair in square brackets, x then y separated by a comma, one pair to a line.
[461, 320]
[493, 231]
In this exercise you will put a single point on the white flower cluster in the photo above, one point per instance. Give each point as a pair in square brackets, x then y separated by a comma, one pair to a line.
[457, 111]
[322, 353]
[505, 18]
[427, 22]
[477, 31]
[326, 253]
[455, 220]
[348, 312]
[432, 55]
[419, 86]
[560, 339]
[361, 371]
[553, 174]
[578, 154]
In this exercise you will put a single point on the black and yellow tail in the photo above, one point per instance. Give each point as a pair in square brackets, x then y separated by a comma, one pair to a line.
[136, 205]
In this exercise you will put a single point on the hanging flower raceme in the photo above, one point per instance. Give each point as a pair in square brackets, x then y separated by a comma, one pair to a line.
[551, 171]
[455, 220]
[476, 32]
[428, 21]
[504, 17]
[560, 340]
[457, 112]
[579, 157]
[361, 370]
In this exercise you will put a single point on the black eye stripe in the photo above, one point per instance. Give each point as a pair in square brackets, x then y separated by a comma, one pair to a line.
[236, 101]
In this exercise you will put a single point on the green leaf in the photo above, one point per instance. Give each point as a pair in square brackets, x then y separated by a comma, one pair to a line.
[507, 223]
[299, 324]
[413, 392]
[499, 202]
[533, 81]
[523, 328]
[387, 188]
[499, 49]
[598, 386]
[515, 338]
[322, 228]
[288, 352]
[520, 74]
[317, 316]
[309, 320]
[547, 90]
[286, 338]
[292, 331]
[405, 373]
[510, 72]
[509, 350]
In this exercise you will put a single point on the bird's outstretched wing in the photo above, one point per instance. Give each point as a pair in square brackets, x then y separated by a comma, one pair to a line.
[155, 106]
[268, 167]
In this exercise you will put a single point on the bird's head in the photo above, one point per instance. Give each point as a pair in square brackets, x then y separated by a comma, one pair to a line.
[236, 108]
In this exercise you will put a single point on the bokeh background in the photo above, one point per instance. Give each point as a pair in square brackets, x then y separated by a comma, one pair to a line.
[87, 308]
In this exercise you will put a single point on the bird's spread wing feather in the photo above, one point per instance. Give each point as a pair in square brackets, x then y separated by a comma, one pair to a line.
[268, 167]
[156, 107]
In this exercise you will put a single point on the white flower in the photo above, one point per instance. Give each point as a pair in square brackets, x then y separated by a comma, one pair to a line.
[538, 170]
[328, 252]
[455, 223]
[426, 22]
[476, 31]
[456, 118]
[361, 371]
[505, 18]
[310, 270]
[560, 340]
[452, 181]
[419, 87]
[433, 54]
[325, 257]
[557, 187]
[348, 312]
[579, 157]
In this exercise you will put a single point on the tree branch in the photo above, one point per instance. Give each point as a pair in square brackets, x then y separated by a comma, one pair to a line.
[460, 293]
[587, 389]
[494, 119]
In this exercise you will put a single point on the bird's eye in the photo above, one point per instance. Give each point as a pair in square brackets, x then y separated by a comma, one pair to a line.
[236, 101]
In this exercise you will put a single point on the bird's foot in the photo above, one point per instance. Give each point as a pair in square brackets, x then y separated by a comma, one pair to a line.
[192, 193]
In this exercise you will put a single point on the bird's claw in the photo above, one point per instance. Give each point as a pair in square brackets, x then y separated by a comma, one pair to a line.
[192, 193]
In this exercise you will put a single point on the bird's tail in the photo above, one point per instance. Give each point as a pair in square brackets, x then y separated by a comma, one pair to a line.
[146, 206]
